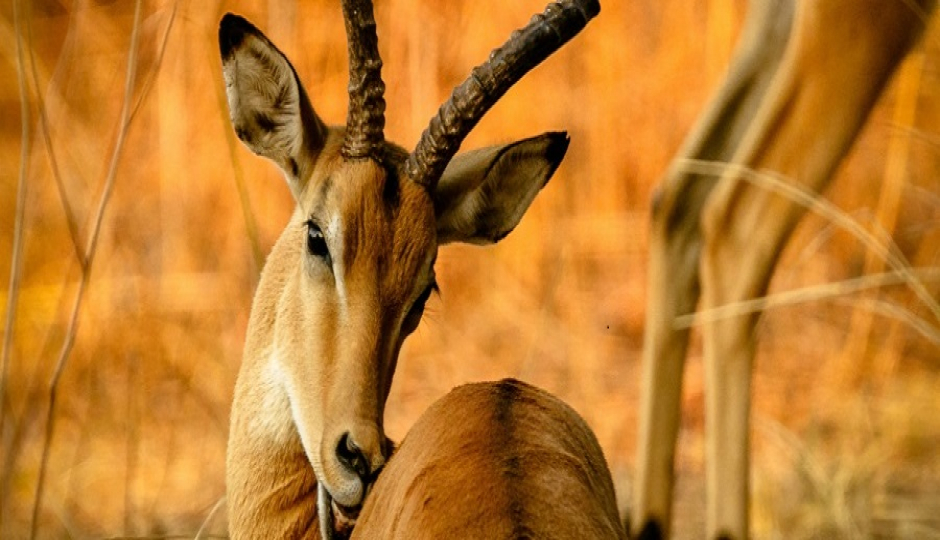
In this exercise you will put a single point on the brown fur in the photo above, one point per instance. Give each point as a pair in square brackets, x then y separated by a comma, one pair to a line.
[494, 461]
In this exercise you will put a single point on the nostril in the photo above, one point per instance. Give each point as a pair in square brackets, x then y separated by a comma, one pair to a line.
[351, 456]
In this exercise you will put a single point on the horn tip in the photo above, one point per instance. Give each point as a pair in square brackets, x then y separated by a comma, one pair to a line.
[590, 8]
[593, 8]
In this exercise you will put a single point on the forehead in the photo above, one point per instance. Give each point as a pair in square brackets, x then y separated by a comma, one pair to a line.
[379, 219]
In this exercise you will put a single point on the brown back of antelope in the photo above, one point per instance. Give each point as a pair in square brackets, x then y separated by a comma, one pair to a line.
[499, 460]
[347, 280]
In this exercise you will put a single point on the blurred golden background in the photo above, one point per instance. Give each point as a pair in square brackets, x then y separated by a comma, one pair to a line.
[847, 395]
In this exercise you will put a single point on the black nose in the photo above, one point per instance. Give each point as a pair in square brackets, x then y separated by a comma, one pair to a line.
[349, 454]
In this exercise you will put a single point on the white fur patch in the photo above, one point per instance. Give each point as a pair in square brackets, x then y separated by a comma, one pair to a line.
[275, 421]
[335, 231]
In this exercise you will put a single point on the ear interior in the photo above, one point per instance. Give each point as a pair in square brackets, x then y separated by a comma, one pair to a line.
[268, 106]
[483, 194]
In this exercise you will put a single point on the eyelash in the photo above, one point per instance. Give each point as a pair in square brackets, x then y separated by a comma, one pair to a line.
[426, 294]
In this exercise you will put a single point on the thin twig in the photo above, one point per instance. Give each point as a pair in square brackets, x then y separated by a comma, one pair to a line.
[205, 523]
[251, 223]
[813, 202]
[70, 218]
[25, 422]
[18, 438]
[17, 255]
[90, 252]
[893, 310]
[152, 74]
[803, 295]
[132, 442]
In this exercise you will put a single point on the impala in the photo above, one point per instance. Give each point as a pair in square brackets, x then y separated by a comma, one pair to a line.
[804, 78]
[347, 280]
[492, 461]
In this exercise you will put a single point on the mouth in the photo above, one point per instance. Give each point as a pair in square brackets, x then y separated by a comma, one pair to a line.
[344, 517]
[336, 521]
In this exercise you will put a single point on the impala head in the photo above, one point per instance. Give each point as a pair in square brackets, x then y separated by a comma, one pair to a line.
[358, 259]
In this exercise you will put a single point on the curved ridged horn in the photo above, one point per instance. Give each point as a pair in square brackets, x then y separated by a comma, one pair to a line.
[527, 47]
[365, 119]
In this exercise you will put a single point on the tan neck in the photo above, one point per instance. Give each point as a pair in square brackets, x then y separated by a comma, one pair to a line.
[271, 486]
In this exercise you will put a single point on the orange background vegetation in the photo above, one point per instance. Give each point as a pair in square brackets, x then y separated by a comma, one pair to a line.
[847, 418]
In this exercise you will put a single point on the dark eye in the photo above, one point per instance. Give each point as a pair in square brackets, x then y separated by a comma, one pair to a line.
[423, 299]
[417, 309]
[316, 243]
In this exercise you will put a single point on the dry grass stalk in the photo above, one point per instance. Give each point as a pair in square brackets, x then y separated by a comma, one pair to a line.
[884, 249]
[89, 257]
[16, 262]
[889, 203]
[827, 291]
[70, 220]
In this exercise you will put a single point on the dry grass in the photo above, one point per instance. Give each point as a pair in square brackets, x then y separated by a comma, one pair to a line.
[847, 410]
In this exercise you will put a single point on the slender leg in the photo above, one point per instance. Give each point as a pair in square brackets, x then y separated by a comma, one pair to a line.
[675, 248]
[674, 290]
[815, 107]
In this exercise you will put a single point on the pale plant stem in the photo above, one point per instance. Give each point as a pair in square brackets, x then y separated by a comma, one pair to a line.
[886, 250]
[251, 223]
[152, 74]
[24, 422]
[18, 438]
[824, 292]
[205, 524]
[70, 219]
[803, 295]
[888, 207]
[90, 251]
[892, 310]
[17, 255]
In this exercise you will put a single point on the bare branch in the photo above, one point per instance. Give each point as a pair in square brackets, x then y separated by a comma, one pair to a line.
[215, 508]
[89, 256]
[70, 218]
[825, 291]
[231, 143]
[152, 74]
[16, 257]
[816, 204]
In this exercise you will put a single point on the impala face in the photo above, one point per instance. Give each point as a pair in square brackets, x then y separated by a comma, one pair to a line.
[348, 279]
[364, 249]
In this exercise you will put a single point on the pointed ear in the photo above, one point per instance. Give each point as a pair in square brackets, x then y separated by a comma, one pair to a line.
[267, 104]
[483, 194]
